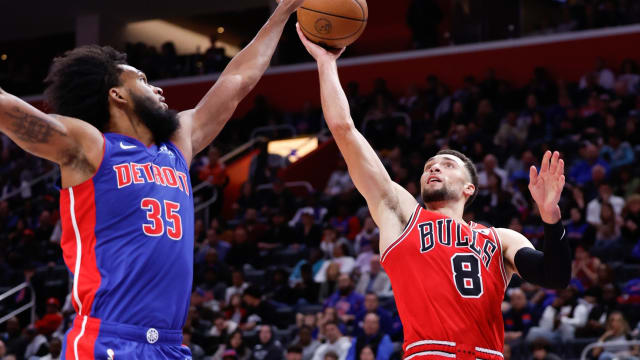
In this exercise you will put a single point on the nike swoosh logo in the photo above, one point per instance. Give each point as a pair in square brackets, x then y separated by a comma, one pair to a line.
[126, 147]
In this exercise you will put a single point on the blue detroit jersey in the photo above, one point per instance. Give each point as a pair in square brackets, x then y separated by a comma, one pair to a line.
[127, 235]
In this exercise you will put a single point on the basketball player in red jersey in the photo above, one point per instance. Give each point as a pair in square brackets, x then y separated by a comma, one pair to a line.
[448, 276]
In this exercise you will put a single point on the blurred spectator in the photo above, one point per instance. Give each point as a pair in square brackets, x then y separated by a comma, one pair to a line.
[581, 169]
[584, 267]
[258, 311]
[222, 328]
[305, 341]
[375, 280]
[519, 318]
[37, 343]
[235, 311]
[603, 76]
[490, 167]
[52, 320]
[236, 345]
[345, 300]
[197, 353]
[617, 152]
[605, 195]
[238, 285]
[294, 353]
[335, 342]
[372, 305]
[364, 238]
[371, 336]
[608, 245]
[541, 350]
[555, 323]
[617, 330]
[267, 348]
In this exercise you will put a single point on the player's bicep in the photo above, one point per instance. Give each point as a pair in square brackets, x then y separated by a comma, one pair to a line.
[512, 242]
[40, 134]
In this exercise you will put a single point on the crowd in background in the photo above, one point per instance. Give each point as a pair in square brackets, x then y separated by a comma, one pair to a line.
[298, 276]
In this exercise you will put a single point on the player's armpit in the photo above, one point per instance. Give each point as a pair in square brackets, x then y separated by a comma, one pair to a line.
[550, 268]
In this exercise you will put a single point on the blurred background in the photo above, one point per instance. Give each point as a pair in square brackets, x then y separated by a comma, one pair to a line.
[286, 248]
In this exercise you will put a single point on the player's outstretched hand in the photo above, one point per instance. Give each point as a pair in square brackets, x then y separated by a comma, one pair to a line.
[318, 52]
[291, 5]
[546, 186]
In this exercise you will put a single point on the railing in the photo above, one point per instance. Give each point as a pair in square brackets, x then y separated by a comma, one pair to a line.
[588, 348]
[31, 305]
[41, 178]
[205, 206]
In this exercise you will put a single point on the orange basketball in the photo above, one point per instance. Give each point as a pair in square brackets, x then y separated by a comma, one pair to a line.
[333, 23]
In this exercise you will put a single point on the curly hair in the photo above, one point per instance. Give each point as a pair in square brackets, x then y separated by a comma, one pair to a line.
[78, 83]
[471, 169]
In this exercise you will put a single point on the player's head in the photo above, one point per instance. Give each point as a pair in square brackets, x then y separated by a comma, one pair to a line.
[92, 82]
[449, 176]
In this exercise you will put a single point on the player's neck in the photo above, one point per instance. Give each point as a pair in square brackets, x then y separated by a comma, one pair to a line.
[451, 209]
[128, 123]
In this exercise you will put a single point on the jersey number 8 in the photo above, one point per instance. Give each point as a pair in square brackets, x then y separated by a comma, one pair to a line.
[466, 275]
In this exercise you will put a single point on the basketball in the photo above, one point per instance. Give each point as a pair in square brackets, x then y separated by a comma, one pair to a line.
[333, 23]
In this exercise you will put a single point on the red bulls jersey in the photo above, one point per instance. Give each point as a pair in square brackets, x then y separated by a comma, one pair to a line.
[448, 281]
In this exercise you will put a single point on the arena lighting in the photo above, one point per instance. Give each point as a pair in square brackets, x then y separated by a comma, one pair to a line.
[293, 149]
[3, 57]
[220, 30]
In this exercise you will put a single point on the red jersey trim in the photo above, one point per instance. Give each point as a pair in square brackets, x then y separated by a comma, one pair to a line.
[502, 267]
[412, 220]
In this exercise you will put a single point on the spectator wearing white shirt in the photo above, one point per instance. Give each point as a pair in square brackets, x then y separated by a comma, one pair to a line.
[335, 342]
[603, 76]
[605, 194]
[339, 181]
[238, 285]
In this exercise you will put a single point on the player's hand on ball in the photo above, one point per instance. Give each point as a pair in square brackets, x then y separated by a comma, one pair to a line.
[318, 52]
[546, 186]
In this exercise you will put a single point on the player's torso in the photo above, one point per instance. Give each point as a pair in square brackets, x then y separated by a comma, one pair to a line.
[448, 281]
[132, 223]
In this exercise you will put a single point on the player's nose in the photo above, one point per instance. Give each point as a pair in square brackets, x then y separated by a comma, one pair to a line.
[158, 90]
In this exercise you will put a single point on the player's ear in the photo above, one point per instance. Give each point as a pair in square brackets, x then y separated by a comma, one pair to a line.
[117, 95]
[469, 189]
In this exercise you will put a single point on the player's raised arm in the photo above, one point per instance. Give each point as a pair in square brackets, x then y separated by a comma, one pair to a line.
[552, 267]
[203, 123]
[56, 138]
[384, 197]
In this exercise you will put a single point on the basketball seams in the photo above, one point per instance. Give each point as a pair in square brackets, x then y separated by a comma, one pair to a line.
[335, 15]
[307, 32]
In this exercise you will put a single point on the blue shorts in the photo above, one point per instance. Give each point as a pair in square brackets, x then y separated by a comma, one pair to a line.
[91, 338]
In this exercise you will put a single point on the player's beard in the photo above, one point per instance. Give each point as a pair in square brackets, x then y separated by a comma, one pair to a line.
[162, 123]
[437, 195]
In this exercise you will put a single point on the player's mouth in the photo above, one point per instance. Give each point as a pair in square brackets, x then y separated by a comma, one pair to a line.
[432, 179]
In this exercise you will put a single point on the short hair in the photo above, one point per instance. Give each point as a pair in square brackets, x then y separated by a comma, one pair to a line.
[78, 83]
[471, 169]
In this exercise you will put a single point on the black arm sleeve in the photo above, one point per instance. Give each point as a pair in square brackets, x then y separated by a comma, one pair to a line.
[551, 268]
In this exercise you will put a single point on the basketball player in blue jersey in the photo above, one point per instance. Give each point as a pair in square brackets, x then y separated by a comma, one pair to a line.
[126, 202]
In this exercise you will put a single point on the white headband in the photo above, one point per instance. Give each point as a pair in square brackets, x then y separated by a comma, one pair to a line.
[451, 157]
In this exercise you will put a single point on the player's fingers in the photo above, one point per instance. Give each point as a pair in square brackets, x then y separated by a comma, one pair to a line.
[533, 175]
[553, 165]
[560, 170]
[544, 165]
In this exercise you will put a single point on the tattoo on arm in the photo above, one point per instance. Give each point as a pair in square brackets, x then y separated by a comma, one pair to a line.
[31, 128]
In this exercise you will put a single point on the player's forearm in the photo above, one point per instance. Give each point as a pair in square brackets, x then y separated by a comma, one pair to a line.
[551, 267]
[334, 101]
[253, 60]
